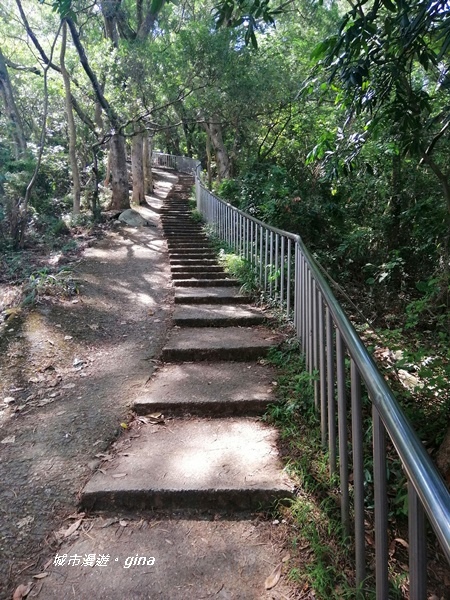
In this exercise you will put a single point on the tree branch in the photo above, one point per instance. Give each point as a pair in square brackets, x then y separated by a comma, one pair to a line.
[13, 65]
[113, 117]
[30, 32]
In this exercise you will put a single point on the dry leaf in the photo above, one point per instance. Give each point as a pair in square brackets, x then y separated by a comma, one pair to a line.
[72, 528]
[40, 576]
[22, 591]
[156, 418]
[48, 564]
[25, 521]
[123, 523]
[117, 475]
[273, 578]
[9, 440]
[75, 516]
[286, 558]
[108, 522]
[402, 542]
[104, 456]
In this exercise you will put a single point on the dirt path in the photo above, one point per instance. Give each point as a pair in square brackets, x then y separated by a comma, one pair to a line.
[73, 367]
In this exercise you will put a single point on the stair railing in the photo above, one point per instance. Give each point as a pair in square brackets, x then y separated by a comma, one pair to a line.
[290, 276]
[184, 164]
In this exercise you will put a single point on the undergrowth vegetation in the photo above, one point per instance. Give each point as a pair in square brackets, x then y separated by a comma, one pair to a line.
[324, 556]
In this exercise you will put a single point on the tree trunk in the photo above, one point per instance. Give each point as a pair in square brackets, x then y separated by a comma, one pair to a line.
[214, 129]
[6, 92]
[137, 168]
[208, 159]
[71, 127]
[148, 175]
[119, 173]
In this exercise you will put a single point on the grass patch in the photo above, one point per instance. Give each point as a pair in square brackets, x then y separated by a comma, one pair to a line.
[324, 556]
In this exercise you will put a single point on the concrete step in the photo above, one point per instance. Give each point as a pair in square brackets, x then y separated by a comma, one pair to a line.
[213, 315]
[206, 343]
[183, 230]
[212, 295]
[228, 464]
[177, 248]
[175, 262]
[211, 389]
[194, 558]
[191, 255]
[186, 268]
[206, 274]
[180, 224]
[184, 241]
[211, 282]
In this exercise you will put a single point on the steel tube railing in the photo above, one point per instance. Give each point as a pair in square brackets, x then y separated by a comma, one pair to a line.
[327, 339]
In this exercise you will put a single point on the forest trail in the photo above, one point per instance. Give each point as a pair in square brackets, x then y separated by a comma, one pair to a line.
[177, 508]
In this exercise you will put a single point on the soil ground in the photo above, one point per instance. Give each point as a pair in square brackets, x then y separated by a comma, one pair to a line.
[69, 370]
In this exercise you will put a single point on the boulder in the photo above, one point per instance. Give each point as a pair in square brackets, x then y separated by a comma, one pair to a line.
[133, 218]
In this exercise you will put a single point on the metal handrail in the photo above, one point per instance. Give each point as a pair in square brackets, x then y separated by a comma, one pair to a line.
[289, 274]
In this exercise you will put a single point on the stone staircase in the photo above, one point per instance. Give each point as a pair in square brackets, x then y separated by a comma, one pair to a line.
[228, 459]
[212, 458]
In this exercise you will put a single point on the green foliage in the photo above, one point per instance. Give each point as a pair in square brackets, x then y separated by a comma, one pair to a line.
[45, 283]
[196, 216]
[240, 269]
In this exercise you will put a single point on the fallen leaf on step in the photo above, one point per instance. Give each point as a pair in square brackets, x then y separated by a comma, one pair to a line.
[75, 516]
[117, 475]
[25, 521]
[9, 440]
[273, 578]
[123, 523]
[104, 456]
[48, 563]
[22, 591]
[72, 528]
[156, 418]
[108, 522]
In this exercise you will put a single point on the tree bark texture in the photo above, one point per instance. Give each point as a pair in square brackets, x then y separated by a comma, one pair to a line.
[10, 107]
[148, 175]
[76, 190]
[137, 168]
[119, 173]
[214, 130]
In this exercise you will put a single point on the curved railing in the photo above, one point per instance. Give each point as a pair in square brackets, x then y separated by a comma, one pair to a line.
[289, 274]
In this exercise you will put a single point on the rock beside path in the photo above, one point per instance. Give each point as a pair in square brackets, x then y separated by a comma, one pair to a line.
[133, 219]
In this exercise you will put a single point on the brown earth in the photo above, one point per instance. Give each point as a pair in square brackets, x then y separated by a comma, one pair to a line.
[69, 370]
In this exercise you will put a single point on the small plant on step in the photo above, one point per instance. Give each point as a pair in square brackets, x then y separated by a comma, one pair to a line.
[196, 216]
